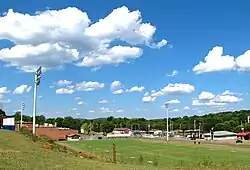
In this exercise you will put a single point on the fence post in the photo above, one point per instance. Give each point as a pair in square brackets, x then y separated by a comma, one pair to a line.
[114, 153]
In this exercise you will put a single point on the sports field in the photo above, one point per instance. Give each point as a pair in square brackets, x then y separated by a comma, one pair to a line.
[172, 155]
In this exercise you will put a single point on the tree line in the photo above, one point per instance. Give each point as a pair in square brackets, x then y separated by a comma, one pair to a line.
[229, 121]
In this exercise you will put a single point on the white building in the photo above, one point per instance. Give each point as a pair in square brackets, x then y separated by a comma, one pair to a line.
[120, 133]
[73, 137]
[221, 135]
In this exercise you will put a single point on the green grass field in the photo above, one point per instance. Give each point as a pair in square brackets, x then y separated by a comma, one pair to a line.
[172, 155]
[20, 153]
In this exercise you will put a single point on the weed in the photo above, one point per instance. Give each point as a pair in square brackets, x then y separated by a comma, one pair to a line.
[155, 161]
[140, 160]
[206, 162]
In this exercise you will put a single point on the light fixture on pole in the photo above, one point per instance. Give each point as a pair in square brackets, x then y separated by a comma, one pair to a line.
[166, 106]
[37, 82]
[22, 109]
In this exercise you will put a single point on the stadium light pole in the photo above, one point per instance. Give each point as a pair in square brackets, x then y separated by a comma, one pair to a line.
[37, 82]
[166, 106]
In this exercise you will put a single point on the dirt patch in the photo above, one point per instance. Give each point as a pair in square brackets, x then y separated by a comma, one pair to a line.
[47, 146]
[86, 155]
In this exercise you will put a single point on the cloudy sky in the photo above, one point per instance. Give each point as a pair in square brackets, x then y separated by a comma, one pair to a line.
[125, 58]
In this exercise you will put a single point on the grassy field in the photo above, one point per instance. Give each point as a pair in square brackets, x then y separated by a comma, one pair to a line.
[20, 153]
[172, 155]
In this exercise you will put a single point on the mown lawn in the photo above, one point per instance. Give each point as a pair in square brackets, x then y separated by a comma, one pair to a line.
[20, 153]
[171, 155]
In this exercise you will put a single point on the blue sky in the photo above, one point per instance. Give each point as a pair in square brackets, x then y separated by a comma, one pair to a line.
[125, 58]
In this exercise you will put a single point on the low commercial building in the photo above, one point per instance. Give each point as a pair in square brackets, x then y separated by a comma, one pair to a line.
[73, 137]
[221, 135]
[120, 133]
[9, 123]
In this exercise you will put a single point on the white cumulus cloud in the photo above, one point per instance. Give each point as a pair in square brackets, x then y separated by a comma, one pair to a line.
[106, 110]
[115, 85]
[206, 95]
[63, 82]
[178, 89]
[215, 61]
[119, 91]
[175, 101]
[170, 89]
[148, 99]
[22, 89]
[64, 91]
[136, 89]
[80, 102]
[4, 90]
[119, 111]
[89, 86]
[174, 73]
[53, 38]
[210, 99]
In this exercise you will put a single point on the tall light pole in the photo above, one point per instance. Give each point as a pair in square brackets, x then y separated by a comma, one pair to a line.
[37, 82]
[22, 109]
[166, 106]
[199, 130]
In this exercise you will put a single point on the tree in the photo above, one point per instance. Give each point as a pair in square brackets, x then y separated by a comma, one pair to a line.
[40, 120]
[2, 113]
[59, 122]
[51, 121]
[17, 116]
[68, 122]
[85, 127]
[230, 121]
[109, 119]
[107, 127]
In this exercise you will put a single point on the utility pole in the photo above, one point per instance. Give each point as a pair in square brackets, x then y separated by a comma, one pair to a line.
[37, 82]
[22, 110]
[166, 106]
[194, 124]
